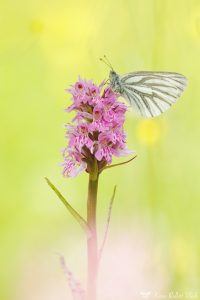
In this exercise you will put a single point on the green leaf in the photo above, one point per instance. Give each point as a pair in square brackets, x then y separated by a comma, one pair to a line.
[72, 211]
[119, 164]
[107, 224]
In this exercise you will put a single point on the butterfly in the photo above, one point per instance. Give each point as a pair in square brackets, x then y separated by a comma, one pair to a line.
[149, 93]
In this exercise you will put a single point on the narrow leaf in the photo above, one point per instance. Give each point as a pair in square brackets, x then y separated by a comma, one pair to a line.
[107, 224]
[119, 164]
[72, 211]
[78, 293]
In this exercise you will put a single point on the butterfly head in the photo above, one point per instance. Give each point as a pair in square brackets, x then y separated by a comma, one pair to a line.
[112, 74]
[113, 77]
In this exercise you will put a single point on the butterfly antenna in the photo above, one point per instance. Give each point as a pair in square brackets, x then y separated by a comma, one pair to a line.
[109, 63]
[106, 61]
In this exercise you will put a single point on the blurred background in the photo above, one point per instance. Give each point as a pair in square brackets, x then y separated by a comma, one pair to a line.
[154, 236]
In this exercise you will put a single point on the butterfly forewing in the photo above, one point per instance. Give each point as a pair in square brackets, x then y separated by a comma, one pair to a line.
[152, 93]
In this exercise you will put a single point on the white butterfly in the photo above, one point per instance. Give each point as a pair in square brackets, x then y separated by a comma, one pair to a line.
[149, 93]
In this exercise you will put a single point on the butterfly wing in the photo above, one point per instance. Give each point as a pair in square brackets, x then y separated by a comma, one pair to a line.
[152, 93]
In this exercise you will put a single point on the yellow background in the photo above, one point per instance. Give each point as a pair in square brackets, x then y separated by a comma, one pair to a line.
[44, 46]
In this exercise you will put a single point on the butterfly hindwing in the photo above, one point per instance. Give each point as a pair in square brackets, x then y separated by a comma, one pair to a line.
[152, 93]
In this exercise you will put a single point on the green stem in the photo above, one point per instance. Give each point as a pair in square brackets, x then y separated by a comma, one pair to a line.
[92, 240]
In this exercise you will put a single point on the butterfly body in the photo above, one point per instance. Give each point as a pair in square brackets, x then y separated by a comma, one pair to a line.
[115, 82]
[149, 93]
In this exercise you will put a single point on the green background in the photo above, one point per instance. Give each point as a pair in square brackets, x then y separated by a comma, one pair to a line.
[44, 46]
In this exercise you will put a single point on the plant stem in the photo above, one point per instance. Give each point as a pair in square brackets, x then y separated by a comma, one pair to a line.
[92, 251]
